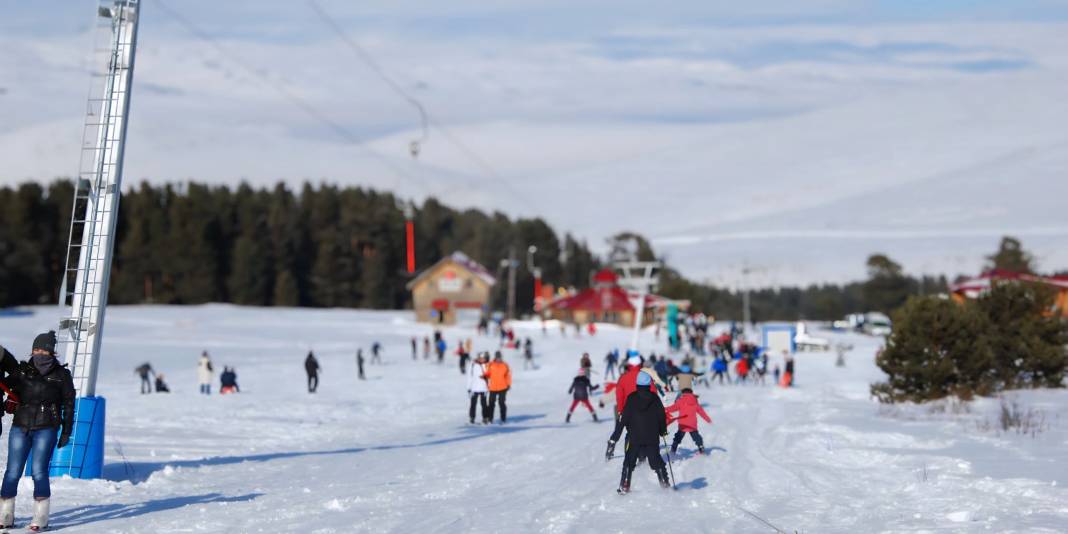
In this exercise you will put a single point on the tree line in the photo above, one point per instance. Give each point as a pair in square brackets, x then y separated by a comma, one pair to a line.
[323, 246]
[331, 246]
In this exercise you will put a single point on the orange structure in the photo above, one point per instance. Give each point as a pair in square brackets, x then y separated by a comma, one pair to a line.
[974, 287]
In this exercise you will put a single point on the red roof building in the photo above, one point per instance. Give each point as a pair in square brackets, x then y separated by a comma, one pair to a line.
[604, 302]
[974, 287]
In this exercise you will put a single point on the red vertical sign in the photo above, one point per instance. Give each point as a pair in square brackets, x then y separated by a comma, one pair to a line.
[409, 228]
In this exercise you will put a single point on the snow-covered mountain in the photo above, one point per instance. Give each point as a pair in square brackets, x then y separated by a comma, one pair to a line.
[794, 147]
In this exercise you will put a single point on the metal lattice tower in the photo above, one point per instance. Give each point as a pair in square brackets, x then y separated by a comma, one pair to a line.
[96, 198]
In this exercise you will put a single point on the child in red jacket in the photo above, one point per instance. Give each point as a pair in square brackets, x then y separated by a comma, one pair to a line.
[687, 406]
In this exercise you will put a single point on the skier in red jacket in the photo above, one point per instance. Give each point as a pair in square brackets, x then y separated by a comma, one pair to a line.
[688, 408]
[627, 383]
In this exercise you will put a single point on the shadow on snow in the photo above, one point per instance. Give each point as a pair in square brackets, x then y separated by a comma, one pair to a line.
[137, 472]
[104, 512]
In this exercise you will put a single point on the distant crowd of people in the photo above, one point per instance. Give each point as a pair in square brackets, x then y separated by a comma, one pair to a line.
[153, 381]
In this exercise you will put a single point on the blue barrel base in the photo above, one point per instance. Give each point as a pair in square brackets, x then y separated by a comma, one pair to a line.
[83, 457]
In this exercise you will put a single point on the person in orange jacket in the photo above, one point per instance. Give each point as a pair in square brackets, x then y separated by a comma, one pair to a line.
[499, 376]
[688, 408]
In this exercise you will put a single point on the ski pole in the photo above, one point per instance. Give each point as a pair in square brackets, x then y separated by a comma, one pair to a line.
[670, 470]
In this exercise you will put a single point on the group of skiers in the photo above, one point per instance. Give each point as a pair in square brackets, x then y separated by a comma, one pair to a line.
[205, 374]
[749, 364]
[641, 412]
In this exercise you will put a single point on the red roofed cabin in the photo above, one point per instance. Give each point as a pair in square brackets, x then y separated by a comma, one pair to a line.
[974, 287]
[454, 290]
[605, 302]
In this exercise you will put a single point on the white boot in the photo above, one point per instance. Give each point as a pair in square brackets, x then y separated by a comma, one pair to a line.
[7, 513]
[40, 515]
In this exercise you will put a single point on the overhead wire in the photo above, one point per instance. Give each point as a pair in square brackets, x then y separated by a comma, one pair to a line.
[376, 67]
[296, 100]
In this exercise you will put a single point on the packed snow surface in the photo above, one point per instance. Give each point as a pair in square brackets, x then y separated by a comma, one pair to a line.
[394, 453]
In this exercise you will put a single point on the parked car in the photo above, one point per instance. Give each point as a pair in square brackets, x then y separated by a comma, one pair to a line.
[877, 324]
[805, 341]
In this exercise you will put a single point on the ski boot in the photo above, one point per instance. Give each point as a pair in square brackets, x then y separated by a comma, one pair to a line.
[662, 476]
[594, 417]
[40, 516]
[7, 513]
[700, 449]
[568, 418]
[611, 451]
[486, 420]
[624, 481]
[472, 420]
[674, 450]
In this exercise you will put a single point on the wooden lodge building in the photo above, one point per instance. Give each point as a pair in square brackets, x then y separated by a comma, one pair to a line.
[454, 290]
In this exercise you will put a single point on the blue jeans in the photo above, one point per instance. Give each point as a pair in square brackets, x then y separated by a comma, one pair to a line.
[19, 443]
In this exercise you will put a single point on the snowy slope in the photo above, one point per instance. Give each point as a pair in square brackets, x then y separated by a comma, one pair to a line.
[393, 454]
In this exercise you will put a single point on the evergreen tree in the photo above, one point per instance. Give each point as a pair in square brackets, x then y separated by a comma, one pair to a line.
[1011, 257]
[887, 287]
[938, 348]
[1028, 343]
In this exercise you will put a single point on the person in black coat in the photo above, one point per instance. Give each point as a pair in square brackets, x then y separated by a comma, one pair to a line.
[580, 391]
[646, 423]
[311, 366]
[43, 420]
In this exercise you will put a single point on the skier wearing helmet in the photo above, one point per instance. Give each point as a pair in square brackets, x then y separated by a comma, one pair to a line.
[580, 391]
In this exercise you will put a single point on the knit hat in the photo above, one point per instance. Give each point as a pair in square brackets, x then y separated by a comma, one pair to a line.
[46, 342]
[644, 379]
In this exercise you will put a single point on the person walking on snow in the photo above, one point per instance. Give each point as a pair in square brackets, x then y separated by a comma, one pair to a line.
[477, 388]
[415, 350]
[586, 363]
[311, 366]
[646, 423]
[685, 376]
[688, 408]
[144, 370]
[42, 422]
[611, 360]
[528, 354]
[742, 370]
[376, 352]
[205, 373]
[462, 354]
[580, 390]
[499, 376]
[359, 364]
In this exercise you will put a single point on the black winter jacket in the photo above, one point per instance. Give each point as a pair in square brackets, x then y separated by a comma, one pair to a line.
[45, 401]
[644, 418]
[581, 388]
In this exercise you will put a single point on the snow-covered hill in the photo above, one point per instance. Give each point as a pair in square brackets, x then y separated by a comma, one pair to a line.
[394, 453]
[792, 147]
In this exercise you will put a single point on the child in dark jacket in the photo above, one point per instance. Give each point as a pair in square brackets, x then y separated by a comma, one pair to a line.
[688, 408]
[646, 422]
[580, 391]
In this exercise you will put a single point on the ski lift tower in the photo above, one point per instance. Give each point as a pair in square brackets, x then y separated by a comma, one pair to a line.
[92, 236]
[639, 278]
